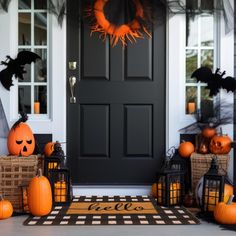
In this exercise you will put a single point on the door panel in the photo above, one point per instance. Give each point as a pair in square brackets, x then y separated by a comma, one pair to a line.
[138, 131]
[94, 128]
[116, 130]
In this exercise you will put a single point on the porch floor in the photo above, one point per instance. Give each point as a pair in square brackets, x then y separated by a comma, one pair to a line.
[13, 226]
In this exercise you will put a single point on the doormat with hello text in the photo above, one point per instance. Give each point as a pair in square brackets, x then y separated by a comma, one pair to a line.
[114, 210]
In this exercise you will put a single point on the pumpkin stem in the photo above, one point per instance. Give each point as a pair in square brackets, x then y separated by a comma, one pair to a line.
[221, 131]
[230, 200]
[40, 172]
[23, 118]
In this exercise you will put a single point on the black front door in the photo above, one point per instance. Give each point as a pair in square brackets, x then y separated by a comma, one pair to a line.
[116, 128]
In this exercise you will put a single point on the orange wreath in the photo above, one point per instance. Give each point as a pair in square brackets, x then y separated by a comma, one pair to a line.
[130, 31]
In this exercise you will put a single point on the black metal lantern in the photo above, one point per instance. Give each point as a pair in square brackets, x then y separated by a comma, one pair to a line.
[170, 186]
[51, 163]
[213, 187]
[61, 185]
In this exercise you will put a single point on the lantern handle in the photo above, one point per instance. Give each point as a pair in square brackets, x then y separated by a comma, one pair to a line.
[170, 153]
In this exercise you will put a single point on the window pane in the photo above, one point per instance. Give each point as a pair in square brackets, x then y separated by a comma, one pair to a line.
[207, 58]
[207, 106]
[207, 29]
[24, 36]
[24, 4]
[192, 32]
[191, 99]
[40, 68]
[40, 4]
[24, 98]
[191, 65]
[40, 28]
[27, 75]
[40, 96]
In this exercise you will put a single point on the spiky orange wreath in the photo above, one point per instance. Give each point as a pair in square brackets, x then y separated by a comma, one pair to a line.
[130, 31]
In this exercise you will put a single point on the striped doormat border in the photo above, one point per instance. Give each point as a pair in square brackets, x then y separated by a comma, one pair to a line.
[114, 210]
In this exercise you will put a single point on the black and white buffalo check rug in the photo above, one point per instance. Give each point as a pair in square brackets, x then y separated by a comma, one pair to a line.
[114, 210]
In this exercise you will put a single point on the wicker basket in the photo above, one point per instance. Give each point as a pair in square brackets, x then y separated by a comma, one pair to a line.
[15, 172]
[200, 164]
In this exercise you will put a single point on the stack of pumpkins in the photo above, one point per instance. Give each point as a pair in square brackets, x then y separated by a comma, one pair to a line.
[21, 142]
[207, 142]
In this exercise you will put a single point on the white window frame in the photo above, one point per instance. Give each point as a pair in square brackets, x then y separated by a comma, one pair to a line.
[34, 47]
[199, 49]
[55, 122]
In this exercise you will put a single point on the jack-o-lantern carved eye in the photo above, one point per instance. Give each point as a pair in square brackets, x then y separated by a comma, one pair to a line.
[29, 141]
[19, 141]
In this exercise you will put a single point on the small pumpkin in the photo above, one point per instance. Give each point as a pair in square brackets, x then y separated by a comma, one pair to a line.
[39, 196]
[6, 209]
[225, 213]
[220, 144]
[20, 140]
[48, 149]
[186, 149]
[208, 132]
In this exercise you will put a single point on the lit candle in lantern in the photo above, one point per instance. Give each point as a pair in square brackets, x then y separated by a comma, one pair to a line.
[174, 192]
[191, 107]
[24, 198]
[212, 199]
[36, 107]
[60, 191]
[52, 165]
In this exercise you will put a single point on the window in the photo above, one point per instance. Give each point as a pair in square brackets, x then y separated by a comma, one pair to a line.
[33, 26]
[199, 51]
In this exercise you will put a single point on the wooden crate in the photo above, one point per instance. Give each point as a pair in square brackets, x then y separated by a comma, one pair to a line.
[14, 172]
[200, 164]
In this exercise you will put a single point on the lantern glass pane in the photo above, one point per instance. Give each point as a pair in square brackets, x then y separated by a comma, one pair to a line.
[161, 186]
[211, 197]
[60, 188]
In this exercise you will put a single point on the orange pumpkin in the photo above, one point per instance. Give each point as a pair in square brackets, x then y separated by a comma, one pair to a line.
[48, 149]
[20, 140]
[220, 144]
[225, 213]
[208, 132]
[6, 209]
[186, 149]
[39, 196]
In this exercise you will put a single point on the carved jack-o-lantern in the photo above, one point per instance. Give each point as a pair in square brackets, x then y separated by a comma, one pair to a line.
[220, 144]
[20, 139]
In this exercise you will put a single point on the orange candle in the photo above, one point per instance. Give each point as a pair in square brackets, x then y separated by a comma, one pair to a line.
[36, 107]
[174, 193]
[211, 200]
[60, 191]
[191, 107]
[52, 165]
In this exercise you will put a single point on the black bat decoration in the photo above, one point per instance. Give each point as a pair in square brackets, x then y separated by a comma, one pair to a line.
[215, 81]
[16, 67]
